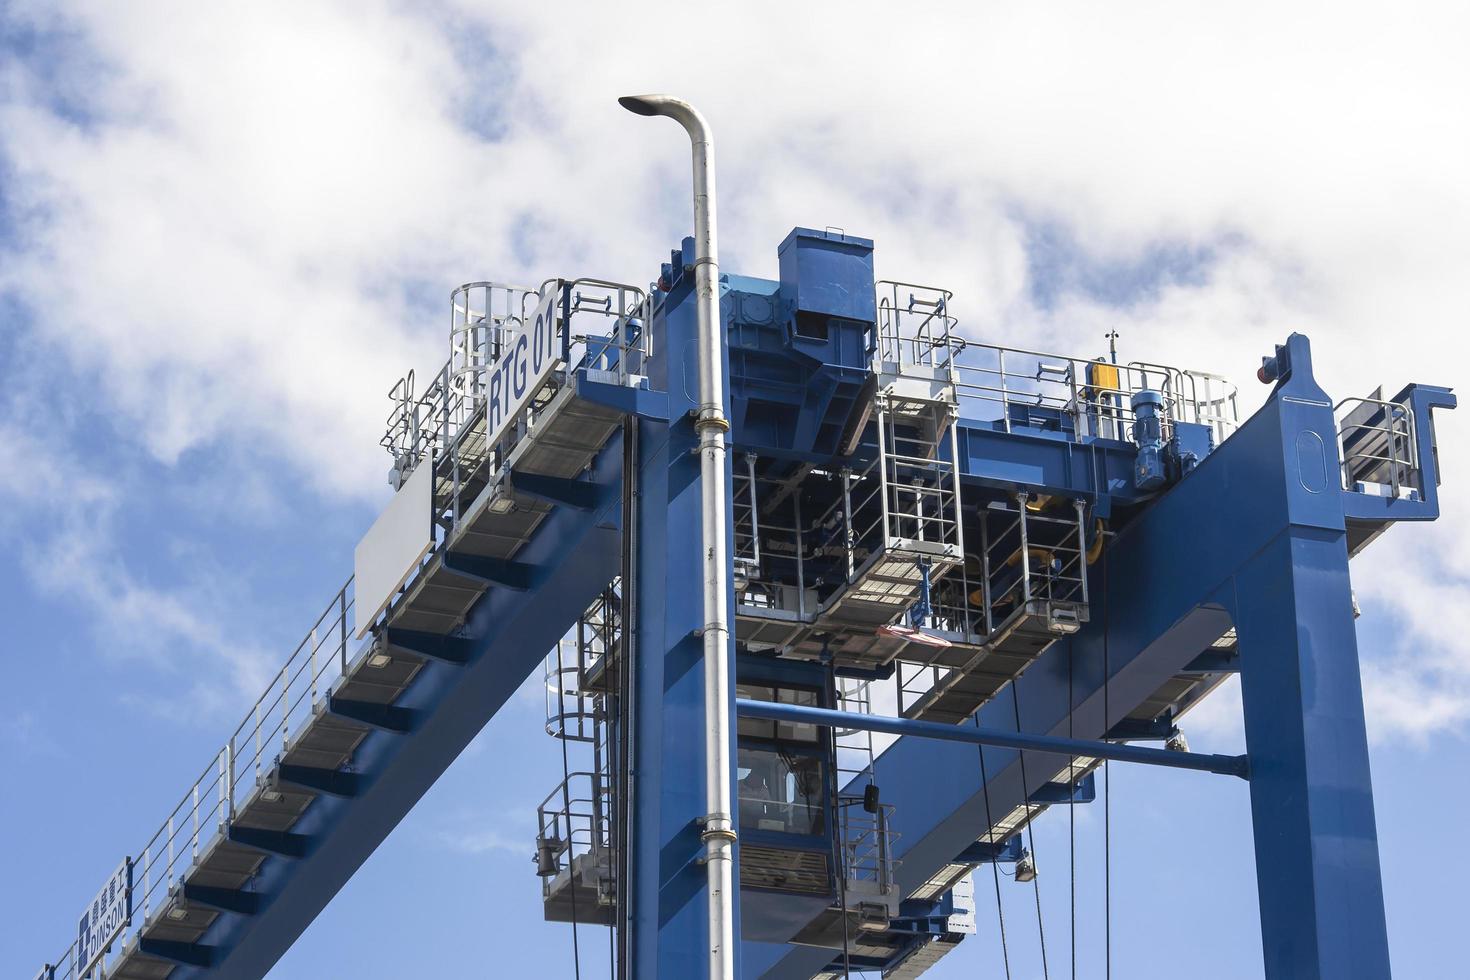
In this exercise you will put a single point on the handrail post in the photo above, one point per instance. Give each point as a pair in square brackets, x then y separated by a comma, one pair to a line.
[1005, 401]
[849, 536]
[342, 626]
[800, 557]
[285, 706]
[258, 750]
[230, 779]
[883, 466]
[755, 520]
[1025, 554]
[985, 569]
[1082, 547]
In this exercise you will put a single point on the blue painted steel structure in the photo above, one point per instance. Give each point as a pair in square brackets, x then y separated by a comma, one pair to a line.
[1098, 560]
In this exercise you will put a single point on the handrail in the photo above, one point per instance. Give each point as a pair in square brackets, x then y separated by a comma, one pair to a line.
[207, 808]
[1360, 462]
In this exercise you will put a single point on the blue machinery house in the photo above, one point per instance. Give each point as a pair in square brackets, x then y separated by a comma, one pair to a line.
[928, 534]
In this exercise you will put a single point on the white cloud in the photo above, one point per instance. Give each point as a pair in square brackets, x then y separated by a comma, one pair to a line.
[248, 236]
[504, 830]
[59, 518]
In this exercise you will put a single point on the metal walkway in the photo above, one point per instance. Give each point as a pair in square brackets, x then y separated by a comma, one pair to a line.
[349, 736]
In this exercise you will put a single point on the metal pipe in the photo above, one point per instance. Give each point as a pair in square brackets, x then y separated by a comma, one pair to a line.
[1226, 765]
[711, 424]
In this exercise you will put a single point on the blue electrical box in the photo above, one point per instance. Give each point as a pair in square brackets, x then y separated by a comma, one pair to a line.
[828, 274]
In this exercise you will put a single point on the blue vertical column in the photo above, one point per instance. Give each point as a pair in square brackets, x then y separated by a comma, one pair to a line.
[668, 894]
[1316, 842]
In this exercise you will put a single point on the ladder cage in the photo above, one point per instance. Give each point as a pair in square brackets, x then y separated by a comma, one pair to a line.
[866, 841]
[570, 711]
[575, 670]
[914, 324]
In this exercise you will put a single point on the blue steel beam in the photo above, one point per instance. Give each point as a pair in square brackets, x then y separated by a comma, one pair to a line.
[666, 917]
[1227, 765]
[1099, 470]
[466, 681]
[1265, 523]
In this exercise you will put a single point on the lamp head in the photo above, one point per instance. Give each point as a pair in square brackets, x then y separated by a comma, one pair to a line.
[641, 104]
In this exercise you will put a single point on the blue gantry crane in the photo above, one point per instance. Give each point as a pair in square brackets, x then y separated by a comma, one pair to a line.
[839, 600]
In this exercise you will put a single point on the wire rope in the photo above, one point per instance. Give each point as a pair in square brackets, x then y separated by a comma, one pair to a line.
[1030, 831]
[1000, 912]
[1107, 790]
[1072, 809]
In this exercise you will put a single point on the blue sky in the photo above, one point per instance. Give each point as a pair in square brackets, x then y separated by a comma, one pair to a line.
[223, 236]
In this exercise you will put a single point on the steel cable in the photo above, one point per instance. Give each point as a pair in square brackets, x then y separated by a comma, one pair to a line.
[1107, 789]
[1072, 809]
[1000, 913]
[1030, 832]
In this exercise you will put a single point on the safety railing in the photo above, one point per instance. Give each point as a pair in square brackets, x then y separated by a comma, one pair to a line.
[1197, 396]
[755, 590]
[867, 842]
[1033, 555]
[895, 495]
[239, 772]
[573, 829]
[914, 324]
[1083, 398]
[852, 524]
[1377, 444]
[1016, 386]
[607, 322]
[600, 325]
[920, 487]
[954, 610]
[483, 320]
[914, 679]
[572, 700]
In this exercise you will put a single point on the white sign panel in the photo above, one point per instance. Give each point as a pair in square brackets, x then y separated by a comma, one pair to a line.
[527, 361]
[390, 551]
[401, 536]
[105, 918]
